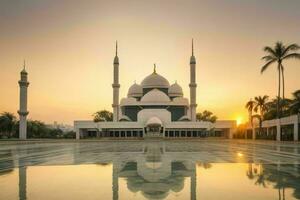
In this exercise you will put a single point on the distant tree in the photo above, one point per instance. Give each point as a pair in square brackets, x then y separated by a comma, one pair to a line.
[206, 116]
[55, 133]
[260, 104]
[295, 103]
[8, 123]
[278, 54]
[9, 127]
[250, 106]
[37, 129]
[69, 135]
[103, 115]
[271, 110]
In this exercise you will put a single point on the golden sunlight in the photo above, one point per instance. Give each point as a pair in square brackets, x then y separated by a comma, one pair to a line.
[239, 120]
[240, 154]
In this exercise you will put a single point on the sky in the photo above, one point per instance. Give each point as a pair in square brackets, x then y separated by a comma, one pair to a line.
[69, 48]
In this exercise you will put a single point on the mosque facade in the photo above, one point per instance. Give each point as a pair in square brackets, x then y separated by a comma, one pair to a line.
[154, 108]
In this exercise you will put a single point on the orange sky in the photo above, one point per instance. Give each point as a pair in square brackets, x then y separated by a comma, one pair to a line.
[69, 48]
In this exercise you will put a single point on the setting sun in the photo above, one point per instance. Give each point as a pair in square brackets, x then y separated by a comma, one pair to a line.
[239, 120]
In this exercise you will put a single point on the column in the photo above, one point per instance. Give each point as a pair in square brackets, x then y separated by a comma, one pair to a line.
[296, 131]
[77, 134]
[278, 128]
[231, 133]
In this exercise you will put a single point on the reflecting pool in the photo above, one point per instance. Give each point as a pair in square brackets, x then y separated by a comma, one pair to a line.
[204, 169]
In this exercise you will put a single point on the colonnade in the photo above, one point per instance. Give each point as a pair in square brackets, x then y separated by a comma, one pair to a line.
[185, 133]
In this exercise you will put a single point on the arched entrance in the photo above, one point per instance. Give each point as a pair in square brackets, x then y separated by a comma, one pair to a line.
[154, 128]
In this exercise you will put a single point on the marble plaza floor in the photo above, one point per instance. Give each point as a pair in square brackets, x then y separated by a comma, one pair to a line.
[149, 169]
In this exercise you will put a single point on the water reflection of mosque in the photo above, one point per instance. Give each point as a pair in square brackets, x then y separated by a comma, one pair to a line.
[147, 169]
[153, 169]
[155, 173]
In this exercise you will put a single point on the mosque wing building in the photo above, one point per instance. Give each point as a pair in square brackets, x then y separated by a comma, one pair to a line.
[154, 108]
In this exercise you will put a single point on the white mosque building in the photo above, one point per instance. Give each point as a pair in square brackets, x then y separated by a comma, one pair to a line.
[154, 108]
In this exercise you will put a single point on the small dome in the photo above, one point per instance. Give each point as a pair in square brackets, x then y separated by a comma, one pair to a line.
[180, 101]
[128, 101]
[116, 60]
[175, 90]
[135, 91]
[154, 121]
[124, 118]
[184, 118]
[155, 96]
[24, 71]
[193, 60]
[155, 80]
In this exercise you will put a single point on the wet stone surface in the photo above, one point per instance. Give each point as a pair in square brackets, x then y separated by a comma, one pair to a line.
[150, 170]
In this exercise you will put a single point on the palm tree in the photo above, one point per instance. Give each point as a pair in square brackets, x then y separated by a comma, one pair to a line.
[103, 115]
[261, 105]
[278, 54]
[8, 123]
[250, 106]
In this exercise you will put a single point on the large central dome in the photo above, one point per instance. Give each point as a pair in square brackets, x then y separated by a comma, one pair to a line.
[155, 80]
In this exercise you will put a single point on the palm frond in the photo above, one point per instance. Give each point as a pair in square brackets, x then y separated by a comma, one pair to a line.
[296, 94]
[292, 55]
[291, 47]
[270, 51]
[279, 49]
[265, 97]
[268, 58]
[266, 66]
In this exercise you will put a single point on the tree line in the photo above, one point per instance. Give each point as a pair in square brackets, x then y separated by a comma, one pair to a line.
[9, 128]
[105, 115]
[262, 108]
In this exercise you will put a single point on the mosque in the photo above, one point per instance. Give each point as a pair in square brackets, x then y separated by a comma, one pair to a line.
[154, 108]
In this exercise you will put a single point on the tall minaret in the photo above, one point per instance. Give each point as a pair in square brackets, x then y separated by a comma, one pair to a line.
[193, 85]
[116, 87]
[23, 83]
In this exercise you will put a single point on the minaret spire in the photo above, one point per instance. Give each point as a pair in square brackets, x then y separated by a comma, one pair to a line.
[116, 47]
[116, 59]
[24, 65]
[192, 47]
[116, 87]
[23, 112]
[193, 85]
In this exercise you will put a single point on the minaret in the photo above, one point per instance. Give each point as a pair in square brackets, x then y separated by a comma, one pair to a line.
[116, 87]
[193, 85]
[23, 83]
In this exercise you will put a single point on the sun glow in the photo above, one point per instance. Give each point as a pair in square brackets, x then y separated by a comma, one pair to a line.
[239, 120]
